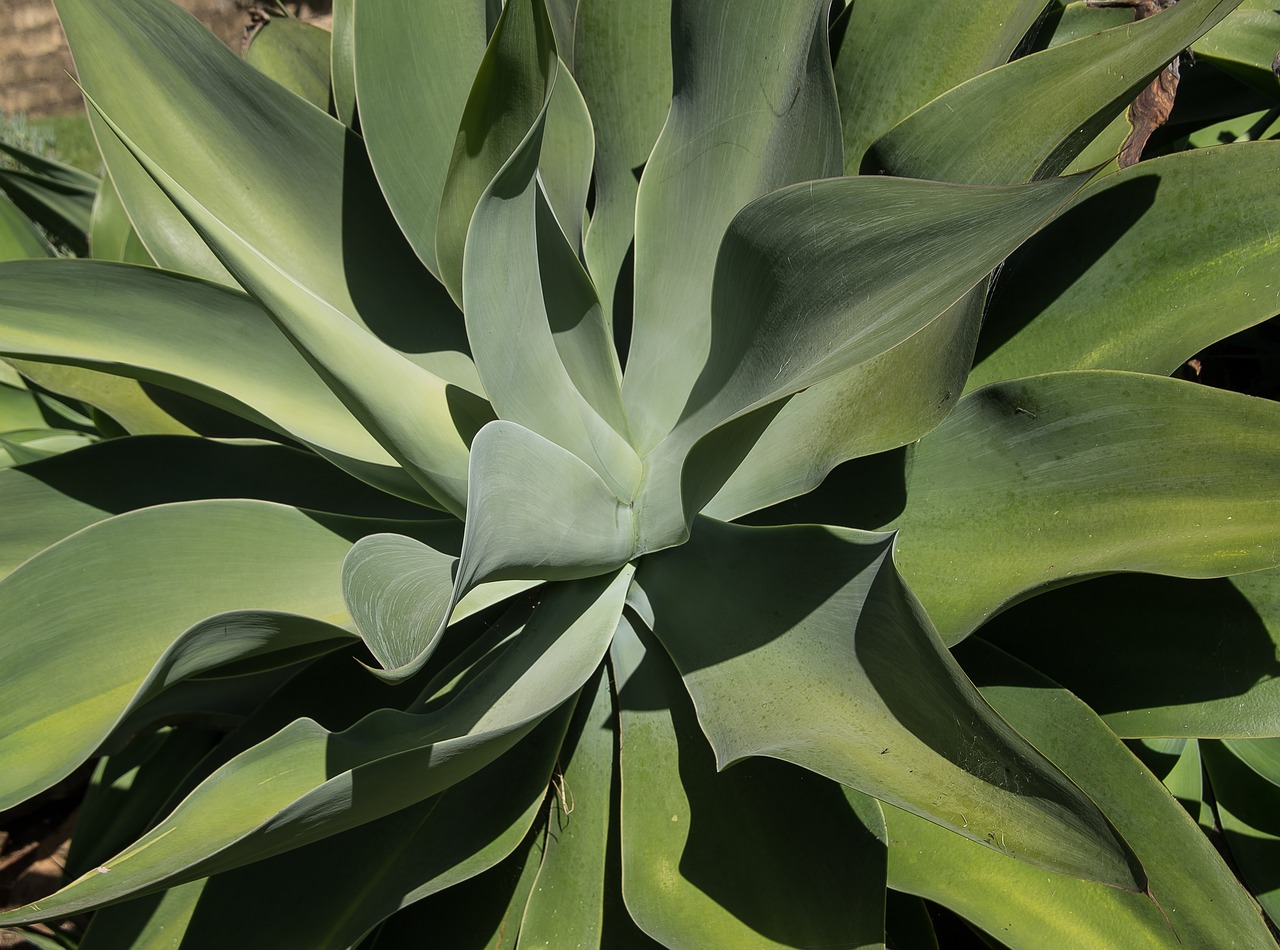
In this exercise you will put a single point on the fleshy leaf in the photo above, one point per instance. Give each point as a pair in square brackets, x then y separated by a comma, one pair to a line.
[188, 335]
[296, 55]
[1053, 478]
[1184, 657]
[753, 110]
[816, 279]
[398, 860]
[690, 876]
[1141, 274]
[156, 572]
[413, 78]
[1195, 901]
[815, 652]
[566, 904]
[305, 783]
[932, 48]
[622, 61]
[510, 93]
[1030, 118]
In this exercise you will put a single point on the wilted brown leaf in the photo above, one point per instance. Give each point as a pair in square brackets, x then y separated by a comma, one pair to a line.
[1152, 107]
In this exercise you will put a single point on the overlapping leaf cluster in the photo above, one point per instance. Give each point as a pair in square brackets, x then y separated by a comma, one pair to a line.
[542, 455]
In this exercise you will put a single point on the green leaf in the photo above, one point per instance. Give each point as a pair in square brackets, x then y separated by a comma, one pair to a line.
[62, 209]
[296, 55]
[52, 499]
[622, 61]
[128, 790]
[541, 346]
[507, 101]
[330, 293]
[1200, 904]
[753, 110]
[398, 591]
[19, 239]
[691, 876]
[342, 63]
[818, 279]
[76, 179]
[1030, 118]
[814, 652]
[894, 57]
[191, 336]
[97, 634]
[306, 783]
[395, 861]
[566, 903]
[1248, 801]
[480, 914]
[538, 512]
[914, 386]
[568, 147]
[111, 233]
[1168, 273]
[1183, 657]
[1244, 45]
[413, 81]
[1053, 478]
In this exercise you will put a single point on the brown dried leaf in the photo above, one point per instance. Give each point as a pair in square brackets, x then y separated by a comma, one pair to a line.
[1152, 107]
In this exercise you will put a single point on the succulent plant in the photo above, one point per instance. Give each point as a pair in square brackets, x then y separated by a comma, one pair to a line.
[552, 448]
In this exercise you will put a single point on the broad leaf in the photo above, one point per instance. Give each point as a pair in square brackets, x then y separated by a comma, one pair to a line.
[1141, 274]
[930, 48]
[19, 239]
[331, 294]
[1030, 118]
[296, 55]
[813, 281]
[510, 93]
[691, 877]
[753, 109]
[96, 634]
[1053, 478]
[622, 61]
[306, 783]
[813, 651]
[190, 336]
[1183, 657]
[1194, 899]
[413, 81]
[566, 903]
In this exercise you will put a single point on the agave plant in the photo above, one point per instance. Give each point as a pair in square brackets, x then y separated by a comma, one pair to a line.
[564, 441]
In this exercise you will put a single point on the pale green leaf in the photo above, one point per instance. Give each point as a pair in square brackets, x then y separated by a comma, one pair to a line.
[1048, 479]
[413, 82]
[394, 862]
[1030, 118]
[566, 904]
[701, 849]
[622, 61]
[753, 110]
[509, 96]
[306, 783]
[894, 57]
[97, 633]
[541, 347]
[19, 239]
[1183, 657]
[816, 279]
[1197, 901]
[295, 54]
[813, 651]
[1142, 273]
[191, 336]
